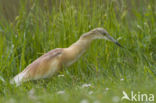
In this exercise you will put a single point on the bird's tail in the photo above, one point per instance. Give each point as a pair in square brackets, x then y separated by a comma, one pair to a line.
[18, 79]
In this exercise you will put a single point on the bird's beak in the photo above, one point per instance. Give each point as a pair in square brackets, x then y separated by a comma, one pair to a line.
[113, 40]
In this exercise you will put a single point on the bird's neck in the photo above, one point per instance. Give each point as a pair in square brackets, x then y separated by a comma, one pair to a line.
[81, 45]
[73, 52]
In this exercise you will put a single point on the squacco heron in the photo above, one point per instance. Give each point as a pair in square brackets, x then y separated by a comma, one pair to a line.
[53, 61]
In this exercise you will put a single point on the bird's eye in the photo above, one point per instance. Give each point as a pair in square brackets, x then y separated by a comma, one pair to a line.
[104, 34]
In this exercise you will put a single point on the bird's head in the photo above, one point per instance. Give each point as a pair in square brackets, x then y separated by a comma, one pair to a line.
[99, 33]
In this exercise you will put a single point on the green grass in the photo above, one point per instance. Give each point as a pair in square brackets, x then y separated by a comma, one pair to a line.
[39, 28]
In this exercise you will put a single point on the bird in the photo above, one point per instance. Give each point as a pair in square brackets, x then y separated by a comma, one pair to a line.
[55, 60]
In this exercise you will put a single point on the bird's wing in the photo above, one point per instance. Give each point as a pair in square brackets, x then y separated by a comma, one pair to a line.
[40, 67]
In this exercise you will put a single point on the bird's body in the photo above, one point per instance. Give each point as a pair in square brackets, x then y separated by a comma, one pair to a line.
[53, 61]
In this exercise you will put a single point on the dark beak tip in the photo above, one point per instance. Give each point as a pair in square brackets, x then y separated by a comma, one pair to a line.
[118, 44]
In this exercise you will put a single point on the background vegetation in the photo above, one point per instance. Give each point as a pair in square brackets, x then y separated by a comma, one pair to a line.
[30, 28]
